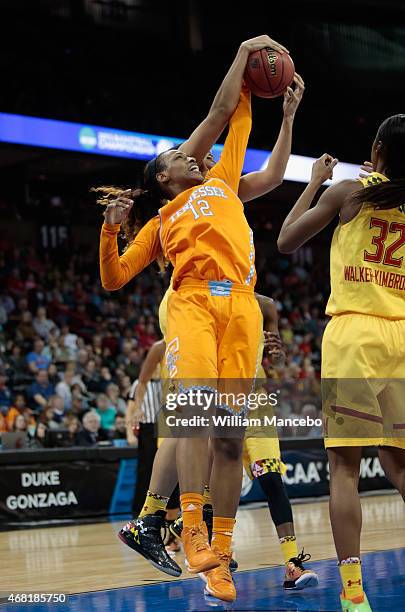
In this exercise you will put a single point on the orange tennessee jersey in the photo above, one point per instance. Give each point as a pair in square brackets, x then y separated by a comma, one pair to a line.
[203, 231]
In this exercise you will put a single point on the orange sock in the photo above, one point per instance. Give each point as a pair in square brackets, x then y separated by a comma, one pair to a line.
[222, 531]
[191, 508]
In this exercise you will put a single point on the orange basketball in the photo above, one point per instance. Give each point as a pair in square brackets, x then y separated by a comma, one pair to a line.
[269, 73]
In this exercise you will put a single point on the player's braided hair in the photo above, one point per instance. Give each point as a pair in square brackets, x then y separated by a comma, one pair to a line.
[147, 201]
[385, 195]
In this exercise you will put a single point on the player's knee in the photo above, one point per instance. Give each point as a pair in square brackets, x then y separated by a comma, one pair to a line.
[273, 480]
[230, 449]
[344, 462]
[277, 498]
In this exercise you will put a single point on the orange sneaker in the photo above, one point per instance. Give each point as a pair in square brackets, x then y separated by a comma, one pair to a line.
[219, 581]
[199, 556]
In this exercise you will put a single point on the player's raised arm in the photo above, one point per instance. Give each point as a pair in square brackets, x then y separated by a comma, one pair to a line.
[230, 165]
[256, 184]
[304, 222]
[226, 100]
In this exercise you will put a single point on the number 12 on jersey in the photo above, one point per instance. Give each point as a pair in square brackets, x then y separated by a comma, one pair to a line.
[203, 208]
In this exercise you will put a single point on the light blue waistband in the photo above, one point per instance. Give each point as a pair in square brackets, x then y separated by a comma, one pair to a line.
[220, 288]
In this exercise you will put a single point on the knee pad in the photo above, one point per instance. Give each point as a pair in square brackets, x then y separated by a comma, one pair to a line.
[277, 498]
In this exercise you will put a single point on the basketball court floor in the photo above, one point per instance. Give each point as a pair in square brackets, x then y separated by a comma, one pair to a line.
[97, 572]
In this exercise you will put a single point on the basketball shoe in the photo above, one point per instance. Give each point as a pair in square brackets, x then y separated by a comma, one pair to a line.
[199, 556]
[144, 536]
[296, 576]
[358, 604]
[218, 581]
[177, 527]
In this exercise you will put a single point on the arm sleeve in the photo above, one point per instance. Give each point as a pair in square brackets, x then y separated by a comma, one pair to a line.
[230, 165]
[116, 271]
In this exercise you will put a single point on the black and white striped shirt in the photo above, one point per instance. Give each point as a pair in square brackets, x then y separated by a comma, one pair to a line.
[152, 400]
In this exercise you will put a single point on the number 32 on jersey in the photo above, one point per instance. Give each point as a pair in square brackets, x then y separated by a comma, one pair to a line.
[384, 253]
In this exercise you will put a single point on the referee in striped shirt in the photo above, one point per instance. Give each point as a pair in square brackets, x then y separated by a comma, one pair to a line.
[145, 401]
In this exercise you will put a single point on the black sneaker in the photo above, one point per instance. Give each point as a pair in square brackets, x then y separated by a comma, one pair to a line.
[208, 518]
[177, 527]
[296, 576]
[143, 535]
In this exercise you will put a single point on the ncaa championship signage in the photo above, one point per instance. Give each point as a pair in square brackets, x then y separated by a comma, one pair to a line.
[67, 136]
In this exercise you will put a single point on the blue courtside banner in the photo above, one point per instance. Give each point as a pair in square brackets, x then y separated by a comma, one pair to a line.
[93, 139]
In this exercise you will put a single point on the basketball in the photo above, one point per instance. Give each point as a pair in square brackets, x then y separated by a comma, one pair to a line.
[269, 73]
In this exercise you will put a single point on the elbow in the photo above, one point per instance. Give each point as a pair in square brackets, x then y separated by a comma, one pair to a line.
[110, 286]
[278, 181]
[284, 246]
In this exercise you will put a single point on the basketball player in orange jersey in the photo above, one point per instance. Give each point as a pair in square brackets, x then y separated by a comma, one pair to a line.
[363, 350]
[214, 322]
[261, 458]
[150, 544]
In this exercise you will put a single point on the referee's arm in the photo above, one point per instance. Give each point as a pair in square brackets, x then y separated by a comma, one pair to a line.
[153, 358]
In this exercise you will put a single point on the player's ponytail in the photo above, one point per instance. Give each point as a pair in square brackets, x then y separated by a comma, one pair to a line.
[147, 201]
[385, 195]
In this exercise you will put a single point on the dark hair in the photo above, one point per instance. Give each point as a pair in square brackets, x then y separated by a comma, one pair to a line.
[147, 199]
[385, 195]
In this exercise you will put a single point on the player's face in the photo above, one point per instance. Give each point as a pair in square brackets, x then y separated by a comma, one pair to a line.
[374, 154]
[209, 160]
[180, 169]
[207, 163]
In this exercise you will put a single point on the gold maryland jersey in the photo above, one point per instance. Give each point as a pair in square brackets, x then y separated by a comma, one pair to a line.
[163, 311]
[164, 375]
[367, 268]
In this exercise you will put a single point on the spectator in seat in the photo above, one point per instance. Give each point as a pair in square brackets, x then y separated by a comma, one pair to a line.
[50, 419]
[106, 411]
[69, 339]
[5, 393]
[3, 423]
[20, 423]
[53, 374]
[56, 403]
[3, 315]
[113, 394]
[82, 359]
[39, 439]
[37, 359]
[25, 329]
[16, 365]
[92, 432]
[120, 428]
[125, 387]
[42, 324]
[40, 391]
[72, 424]
[64, 388]
[133, 367]
[91, 377]
[106, 378]
[126, 347]
[19, 406]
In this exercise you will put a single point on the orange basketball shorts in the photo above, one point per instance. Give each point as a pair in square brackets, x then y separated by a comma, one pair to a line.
[213, 333]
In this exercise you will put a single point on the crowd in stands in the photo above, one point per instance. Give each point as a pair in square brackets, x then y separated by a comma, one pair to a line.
[69, 351]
